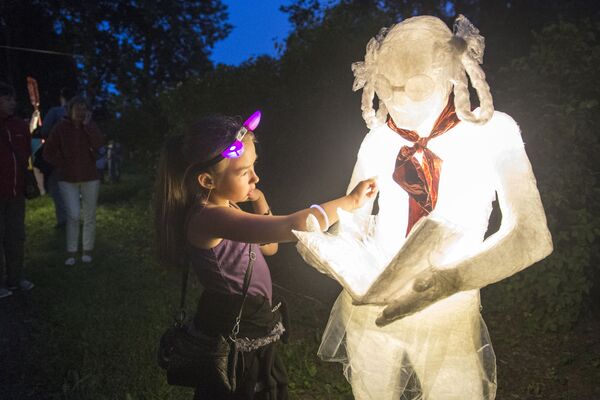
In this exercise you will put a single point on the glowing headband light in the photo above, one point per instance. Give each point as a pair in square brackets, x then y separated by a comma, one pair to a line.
[236, 149]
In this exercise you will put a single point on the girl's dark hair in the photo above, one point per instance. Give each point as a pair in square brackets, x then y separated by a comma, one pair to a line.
[176, 185]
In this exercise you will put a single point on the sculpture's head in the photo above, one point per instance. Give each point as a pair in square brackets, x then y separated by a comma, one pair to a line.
[413, 66]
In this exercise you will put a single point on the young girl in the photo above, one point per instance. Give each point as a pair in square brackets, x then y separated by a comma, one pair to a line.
[202, 177]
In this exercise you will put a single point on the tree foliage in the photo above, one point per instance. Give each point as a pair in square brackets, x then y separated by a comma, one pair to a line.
[155, 54]
[552, 94]
[142, 47]
[128, 47]
[25, 24]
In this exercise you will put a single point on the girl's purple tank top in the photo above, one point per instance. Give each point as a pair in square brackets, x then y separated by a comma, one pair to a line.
[222, 269]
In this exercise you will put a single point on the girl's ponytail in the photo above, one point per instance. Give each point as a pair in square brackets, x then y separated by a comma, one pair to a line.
[171, 204]
[176, 184]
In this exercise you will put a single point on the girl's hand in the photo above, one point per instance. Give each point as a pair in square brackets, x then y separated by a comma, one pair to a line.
[366, 189]
[255, 195]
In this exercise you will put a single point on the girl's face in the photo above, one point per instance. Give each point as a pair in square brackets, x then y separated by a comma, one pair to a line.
[238, 180]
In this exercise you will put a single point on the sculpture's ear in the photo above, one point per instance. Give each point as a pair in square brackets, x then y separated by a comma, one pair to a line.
[383, 88]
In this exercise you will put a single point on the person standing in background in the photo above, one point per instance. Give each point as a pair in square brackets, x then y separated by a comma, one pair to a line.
[15, 150]
[55, 115]
[71, 148]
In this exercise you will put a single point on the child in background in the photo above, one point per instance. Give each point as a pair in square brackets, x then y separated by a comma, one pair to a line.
[202, 176]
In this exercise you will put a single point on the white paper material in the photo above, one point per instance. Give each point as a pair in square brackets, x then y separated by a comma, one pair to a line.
[408, 324]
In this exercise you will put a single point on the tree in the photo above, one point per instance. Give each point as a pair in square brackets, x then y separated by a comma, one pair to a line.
[28, 24]
[133, 48]
[551, 93]
[140, 48]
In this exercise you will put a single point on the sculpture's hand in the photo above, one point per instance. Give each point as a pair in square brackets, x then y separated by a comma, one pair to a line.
[428, 287]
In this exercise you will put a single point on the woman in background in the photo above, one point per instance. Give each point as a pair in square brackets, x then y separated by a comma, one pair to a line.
[71, 148]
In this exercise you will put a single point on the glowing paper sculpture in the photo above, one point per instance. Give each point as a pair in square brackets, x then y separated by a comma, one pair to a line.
[408, 324]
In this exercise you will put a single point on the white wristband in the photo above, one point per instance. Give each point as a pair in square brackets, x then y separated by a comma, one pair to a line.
[322, 211]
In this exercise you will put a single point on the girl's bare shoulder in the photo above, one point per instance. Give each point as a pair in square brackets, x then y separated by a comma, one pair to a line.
[201, 229]
[208, 220]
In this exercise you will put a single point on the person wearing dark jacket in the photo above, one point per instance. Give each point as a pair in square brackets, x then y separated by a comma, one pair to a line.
[15, 150]
[71, 148]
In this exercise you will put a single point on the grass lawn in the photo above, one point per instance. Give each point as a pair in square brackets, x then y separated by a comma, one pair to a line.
[94, 328]
[90, 331]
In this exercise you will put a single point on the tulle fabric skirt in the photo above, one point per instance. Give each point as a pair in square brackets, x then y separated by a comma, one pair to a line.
[441, 353]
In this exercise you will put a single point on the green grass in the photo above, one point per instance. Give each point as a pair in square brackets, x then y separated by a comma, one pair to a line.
[97, 326]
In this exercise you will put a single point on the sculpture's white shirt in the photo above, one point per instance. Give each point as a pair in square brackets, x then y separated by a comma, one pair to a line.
[467, 181]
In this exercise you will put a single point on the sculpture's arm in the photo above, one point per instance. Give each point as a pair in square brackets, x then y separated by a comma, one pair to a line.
[523, 237]
[362, 170]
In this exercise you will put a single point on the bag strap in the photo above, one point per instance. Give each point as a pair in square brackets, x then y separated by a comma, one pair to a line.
[251, 257]
[247, 277]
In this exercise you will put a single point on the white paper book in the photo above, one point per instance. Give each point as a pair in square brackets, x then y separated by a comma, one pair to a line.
[351, 256]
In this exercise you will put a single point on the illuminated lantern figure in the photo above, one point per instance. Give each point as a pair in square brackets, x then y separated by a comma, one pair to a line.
[408, 324]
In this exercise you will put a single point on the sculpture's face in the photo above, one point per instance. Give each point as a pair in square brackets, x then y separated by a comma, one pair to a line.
[408, 81]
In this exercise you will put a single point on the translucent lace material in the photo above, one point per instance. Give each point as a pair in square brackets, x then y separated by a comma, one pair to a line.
[434, 355]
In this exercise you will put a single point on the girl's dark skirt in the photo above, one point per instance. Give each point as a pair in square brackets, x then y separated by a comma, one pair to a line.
[261, 374]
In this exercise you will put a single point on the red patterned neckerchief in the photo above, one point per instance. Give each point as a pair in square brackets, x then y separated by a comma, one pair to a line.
[421, 180]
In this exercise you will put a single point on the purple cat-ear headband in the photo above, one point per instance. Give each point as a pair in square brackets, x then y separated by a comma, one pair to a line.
[236, 149]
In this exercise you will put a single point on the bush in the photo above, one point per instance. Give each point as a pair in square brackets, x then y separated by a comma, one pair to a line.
[553, 93]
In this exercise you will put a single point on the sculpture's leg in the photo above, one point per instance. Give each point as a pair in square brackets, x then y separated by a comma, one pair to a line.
[441, 353]
[458, 364]
[380, 359]
[379, 367]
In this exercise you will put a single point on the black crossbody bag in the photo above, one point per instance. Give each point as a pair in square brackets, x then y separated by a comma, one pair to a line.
[197, 359]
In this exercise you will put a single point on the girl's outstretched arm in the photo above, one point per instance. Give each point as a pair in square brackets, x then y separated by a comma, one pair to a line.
[210, 225]
[261, 207]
